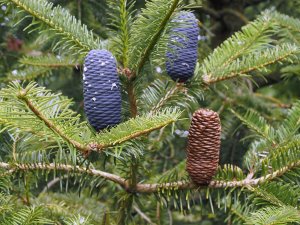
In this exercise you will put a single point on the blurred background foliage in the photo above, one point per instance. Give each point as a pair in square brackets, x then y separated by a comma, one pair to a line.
[219, 19]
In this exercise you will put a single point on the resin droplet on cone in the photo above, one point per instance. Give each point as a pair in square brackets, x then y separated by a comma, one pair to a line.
[183, 47]
[101, 89]
[203, 147]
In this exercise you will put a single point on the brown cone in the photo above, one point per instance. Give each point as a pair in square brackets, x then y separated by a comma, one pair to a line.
[203, 146]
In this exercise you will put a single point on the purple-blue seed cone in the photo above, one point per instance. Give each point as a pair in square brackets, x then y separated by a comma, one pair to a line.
[182, 58]
[101, 90]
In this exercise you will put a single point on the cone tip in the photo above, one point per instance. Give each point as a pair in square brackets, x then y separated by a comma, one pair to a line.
[205, 112]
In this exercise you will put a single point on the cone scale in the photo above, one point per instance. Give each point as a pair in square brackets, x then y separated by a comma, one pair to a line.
[203, 147]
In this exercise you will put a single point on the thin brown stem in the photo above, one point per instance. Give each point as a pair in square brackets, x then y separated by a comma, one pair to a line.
[132, 99]
[276, 101]
[79, 14]
[143, 215]
[158, 213]
[206, 10]
[52, 183]
[170, 217]
[235, 13]
[14, 147]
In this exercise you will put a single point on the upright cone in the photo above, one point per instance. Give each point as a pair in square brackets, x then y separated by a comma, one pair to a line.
[203, 146]
[181, 62]
[101, 89]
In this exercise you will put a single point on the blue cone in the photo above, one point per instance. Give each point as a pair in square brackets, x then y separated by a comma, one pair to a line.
[101, 90]
[183, 47]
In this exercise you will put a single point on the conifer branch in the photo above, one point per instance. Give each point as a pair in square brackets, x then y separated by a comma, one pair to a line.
[132, 99]
[167, 96]
[285, 21]
[135, 128]
[253, 36]
[274, 215]
[252, 62]
[51, 61]
[28, 73]
[258, 124]
[180, 185]
[122, 18]
[49, 124]
[61, 167]
[147, 31]
[282, 156]
[53, 111]
[291, 124]
[40, 66]
[147, 188]
[145, 55]
[76, 37]
[160, 94]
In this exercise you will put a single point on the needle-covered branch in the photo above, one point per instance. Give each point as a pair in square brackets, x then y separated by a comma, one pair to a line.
[75, 37]
[136, 127]
[36, 110]
[147, 30]
[258, 124]
[50, 61]
[41, 66]
[61, 167]
[254, 36]
[256, 61]
[121, 16]
[146, 188]
[28, 73]
[22, 95]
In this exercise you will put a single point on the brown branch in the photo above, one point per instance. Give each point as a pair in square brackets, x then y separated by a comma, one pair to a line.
[66, 168]
[143, 215]
[218, 15]
[132, 99]
[235, 13]
[79, 13]
[213, 13]
[181, 185]
[53, 182]
[147, 188]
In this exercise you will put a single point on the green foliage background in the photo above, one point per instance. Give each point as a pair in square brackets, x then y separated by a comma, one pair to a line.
[248, 71]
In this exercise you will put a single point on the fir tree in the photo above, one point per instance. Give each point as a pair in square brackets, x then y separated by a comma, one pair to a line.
[56, 169]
